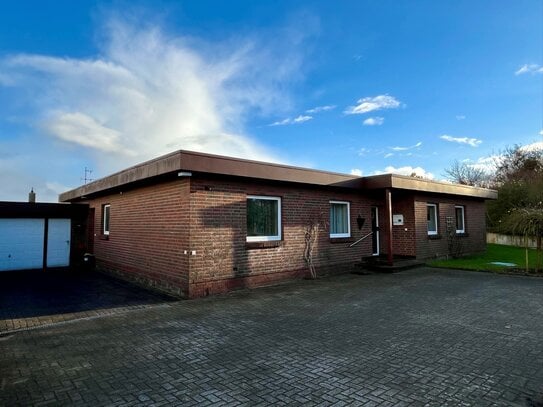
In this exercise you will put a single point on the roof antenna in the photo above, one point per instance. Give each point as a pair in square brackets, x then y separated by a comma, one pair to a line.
[87, 178]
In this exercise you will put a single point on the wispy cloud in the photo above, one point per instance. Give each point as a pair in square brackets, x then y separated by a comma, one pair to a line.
[406, 170]
[320, 109]
[356, 171]
[298, 119]
[373, 103]
[462, 140]
[364, 151]
[388, 155]
[373, 121]
[460, 117]
[123, 106]
[400, 148]
[529, 68]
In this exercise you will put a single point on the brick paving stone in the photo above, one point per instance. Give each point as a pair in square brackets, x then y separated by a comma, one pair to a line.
[421, 337]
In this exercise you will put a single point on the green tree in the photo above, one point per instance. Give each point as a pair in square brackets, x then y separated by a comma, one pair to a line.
[527, 222]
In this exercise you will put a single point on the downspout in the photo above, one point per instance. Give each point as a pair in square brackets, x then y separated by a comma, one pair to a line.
[388, 211]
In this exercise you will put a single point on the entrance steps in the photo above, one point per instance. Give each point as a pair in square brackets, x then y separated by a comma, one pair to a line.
[379, 264]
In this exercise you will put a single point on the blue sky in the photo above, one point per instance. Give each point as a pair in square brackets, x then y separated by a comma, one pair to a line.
[352, 86]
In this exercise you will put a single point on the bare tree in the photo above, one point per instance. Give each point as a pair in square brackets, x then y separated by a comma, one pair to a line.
[465, 174]
[316, 221]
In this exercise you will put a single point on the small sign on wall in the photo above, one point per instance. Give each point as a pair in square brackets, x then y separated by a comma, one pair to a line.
[397, 220]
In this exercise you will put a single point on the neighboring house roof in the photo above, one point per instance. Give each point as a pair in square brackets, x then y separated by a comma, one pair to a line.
[189, 161]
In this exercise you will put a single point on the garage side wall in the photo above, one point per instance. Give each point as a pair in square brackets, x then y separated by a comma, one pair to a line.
[149, 227]
[224, 260]
[442, 245]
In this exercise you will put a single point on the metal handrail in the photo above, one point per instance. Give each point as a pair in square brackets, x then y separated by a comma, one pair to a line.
[362, 238]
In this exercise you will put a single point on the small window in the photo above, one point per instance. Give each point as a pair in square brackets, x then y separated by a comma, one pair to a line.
[105, 219]
[460, 222]
[263, 218]
[340, 225]
[432, 218]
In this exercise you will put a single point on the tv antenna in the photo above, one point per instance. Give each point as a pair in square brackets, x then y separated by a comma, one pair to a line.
[87, 178]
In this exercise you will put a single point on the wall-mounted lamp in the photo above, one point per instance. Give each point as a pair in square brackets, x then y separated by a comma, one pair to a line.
[360, 222]
[184, 174]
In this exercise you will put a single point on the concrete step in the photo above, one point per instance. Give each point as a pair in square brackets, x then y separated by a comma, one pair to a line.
[376, 265]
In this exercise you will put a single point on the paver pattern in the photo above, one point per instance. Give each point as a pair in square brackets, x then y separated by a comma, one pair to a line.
[37, 298]
[419, 337]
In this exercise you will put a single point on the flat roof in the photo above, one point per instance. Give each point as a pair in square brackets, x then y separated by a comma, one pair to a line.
[194, 162]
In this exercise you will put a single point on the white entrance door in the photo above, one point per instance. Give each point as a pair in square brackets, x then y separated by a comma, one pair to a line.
[21, 244]
[375, 230]
[58, 243]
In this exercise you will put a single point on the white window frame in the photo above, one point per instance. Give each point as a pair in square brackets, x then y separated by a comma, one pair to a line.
[432, 232]
[348, 234]
[106, 212]
[463, 230]
[267, 238]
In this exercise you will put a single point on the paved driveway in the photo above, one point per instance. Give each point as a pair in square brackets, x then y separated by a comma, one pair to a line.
[36, 298]
[420, 337]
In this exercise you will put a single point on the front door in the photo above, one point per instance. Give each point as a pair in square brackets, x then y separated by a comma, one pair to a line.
[375, 230]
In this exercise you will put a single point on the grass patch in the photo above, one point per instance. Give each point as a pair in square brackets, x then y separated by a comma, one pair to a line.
[494, 252]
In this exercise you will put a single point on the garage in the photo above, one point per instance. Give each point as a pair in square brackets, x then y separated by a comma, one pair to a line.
[39, 235]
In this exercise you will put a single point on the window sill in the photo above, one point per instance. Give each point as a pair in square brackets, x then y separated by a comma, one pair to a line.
[104, 237]
[263, 245]
[462, 234]
[341, 240]
[434, 237]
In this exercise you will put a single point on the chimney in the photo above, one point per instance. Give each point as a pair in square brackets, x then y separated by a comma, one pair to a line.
[32, 196]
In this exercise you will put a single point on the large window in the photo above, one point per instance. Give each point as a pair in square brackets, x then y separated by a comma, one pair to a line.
[263, 218]
[431, 210]
[340, 226]
[105, 219]
[460, 222]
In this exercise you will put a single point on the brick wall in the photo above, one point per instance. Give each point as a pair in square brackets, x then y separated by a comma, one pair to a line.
[403, 236]
[149, 227]
[474, 240]
[225, 260]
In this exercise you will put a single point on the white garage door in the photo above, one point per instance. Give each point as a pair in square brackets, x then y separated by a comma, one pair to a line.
[21, 244]
[58, 243]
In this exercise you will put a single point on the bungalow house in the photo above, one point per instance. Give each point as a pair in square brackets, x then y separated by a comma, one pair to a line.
[195, 224]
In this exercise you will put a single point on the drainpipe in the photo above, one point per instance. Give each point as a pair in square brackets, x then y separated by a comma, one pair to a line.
[388, 211]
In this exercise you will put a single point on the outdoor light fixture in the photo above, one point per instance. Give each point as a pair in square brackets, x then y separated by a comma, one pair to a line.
[184, 174]
[360, 221]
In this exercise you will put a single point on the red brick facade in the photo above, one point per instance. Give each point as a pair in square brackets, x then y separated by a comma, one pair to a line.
[188, 235]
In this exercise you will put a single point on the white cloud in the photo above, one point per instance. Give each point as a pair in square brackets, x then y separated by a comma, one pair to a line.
[357, 172]
[374, 121]
[485, 164]
[400, 148]
[461, 140]
[460, 117]
[529, 68]
[388, 155]
[81, 129]
[299, 119]
[319, 109]
[537, 146]
[363, 151]
[370, 104]
[407, 170]
[149, 93]
[541, 133]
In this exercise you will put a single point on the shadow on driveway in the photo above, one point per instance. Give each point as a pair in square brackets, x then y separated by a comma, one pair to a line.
[34, 298]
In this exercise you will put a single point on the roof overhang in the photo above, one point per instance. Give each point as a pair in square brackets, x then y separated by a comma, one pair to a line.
[193, 162]
[187, 163]
[395, 181]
